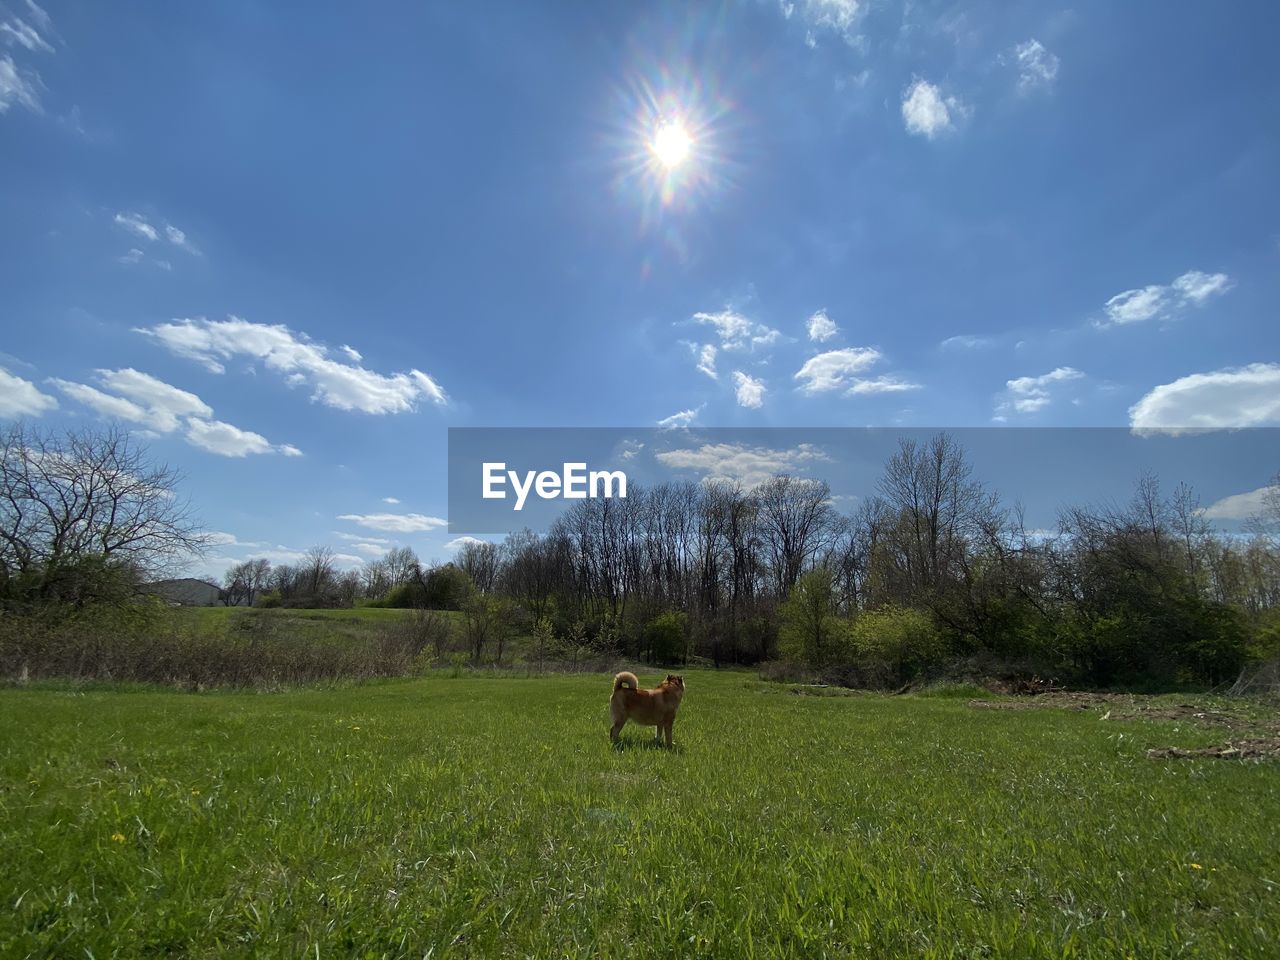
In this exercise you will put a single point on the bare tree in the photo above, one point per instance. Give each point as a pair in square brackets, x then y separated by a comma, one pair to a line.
[795, 518]
[86, 515]
[480, 561]
[316, 573]
[402, 566]
[243, 582]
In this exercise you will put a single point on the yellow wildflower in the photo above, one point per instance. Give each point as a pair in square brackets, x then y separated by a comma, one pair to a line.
[118, 837]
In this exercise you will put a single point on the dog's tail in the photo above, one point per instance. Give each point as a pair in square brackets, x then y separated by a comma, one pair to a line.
[624, 680]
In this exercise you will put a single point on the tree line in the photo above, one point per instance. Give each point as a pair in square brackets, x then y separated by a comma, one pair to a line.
[931, 568]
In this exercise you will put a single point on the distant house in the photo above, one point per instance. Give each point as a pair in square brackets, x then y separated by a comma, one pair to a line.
[187, 592]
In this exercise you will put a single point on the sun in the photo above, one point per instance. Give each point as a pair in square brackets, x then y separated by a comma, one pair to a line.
[671, 144]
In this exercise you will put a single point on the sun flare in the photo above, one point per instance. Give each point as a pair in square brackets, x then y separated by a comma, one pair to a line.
[671, 144]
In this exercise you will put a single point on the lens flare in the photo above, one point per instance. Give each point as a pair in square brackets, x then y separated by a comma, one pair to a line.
[674, 140]
[671, 144]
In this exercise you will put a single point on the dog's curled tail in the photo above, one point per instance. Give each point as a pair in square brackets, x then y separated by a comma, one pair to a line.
[624, 680]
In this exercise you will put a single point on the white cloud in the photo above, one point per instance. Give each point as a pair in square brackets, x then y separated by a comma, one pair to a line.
[179, 239]
[1197, 287]
[927, 113]
[395, 522]
[1037, 67]
[226, 440]
[339, 385]
[140, 226]
[880, 385]
[458, 542]
[1243, 506]
[137, 224]
[737, 332]
[391, 500]
[750, 391]
[1193, 288]
[821, 327]
[1031, 394]
[140, 398]
[629, 449]
[20, 32]
[838, 16]
[165, 402]
[20, 87]
[682, 419]
[372, 549]
[835, 369]
[221, 539]
[707, 360]
[966, 342]
[103, 403]
[1222, 399]
[21, 398]
[39, 15]
[352, 353]
[366, 539]
[737, 461]
[1135, 306]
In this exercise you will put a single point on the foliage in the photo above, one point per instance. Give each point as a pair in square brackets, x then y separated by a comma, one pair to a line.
[809, 629]
[665, 637]
[896, 643]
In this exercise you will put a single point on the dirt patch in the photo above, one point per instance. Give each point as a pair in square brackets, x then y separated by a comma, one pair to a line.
[1128, 706]
[1037, 704]
[1251, 749]
[1189, 712]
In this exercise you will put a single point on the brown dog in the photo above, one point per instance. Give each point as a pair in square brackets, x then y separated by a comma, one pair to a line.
[649, 708]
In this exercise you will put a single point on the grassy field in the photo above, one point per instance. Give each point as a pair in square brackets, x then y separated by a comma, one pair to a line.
[491, 817]
[220, 616]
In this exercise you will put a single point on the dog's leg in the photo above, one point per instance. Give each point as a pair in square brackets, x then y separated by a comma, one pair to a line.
[670, 724]
[615, 730]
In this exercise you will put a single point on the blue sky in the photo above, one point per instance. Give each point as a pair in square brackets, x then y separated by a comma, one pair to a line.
[296, 247]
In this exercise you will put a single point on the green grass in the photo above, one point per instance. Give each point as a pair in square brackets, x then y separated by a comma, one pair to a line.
[471, 817]
[218, 616]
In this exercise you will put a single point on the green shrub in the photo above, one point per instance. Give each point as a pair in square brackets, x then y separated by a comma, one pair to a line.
[664, 637]
[897, 643]
[809, 630]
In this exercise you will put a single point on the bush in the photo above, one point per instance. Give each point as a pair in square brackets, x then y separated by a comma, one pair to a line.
[808, 630]
[664, 637]
[405, 596]
[144, 643]
[896, 643]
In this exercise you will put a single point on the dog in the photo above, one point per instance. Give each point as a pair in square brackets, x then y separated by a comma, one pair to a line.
[649, 708]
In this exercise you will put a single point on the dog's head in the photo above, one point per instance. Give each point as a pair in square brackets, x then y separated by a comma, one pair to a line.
[675, 680]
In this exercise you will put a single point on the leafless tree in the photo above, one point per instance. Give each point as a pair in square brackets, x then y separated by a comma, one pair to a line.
[795, 519]
[479, 560]
[85, 513]
[243, 582]
[402, 566]
[316, 572]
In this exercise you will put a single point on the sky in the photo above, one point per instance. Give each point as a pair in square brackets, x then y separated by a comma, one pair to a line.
[292, 249]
